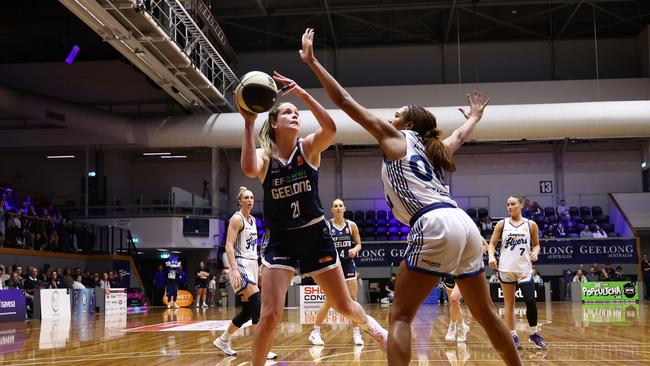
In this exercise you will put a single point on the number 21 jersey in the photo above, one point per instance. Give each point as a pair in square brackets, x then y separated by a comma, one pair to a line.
[291, 192]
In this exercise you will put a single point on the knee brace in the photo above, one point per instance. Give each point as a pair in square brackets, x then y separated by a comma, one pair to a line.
[255, 301]
[528, 292]
[245, 315]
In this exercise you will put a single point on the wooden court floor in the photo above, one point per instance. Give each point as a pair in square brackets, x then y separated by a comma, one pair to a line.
[595, 334]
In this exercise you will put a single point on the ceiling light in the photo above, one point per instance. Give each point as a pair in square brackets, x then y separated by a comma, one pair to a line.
[156, 153]
[61, 156]
[174, 157]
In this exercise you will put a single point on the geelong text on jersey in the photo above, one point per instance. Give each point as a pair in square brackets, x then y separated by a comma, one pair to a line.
[290, 190]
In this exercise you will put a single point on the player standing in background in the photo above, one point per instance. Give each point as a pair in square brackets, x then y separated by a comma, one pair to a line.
[344, 233]
[519, 249]
[241, 250]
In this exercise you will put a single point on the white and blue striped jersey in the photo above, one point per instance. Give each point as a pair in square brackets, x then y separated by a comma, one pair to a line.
[246, 242]
[514, 255]
[412, 183]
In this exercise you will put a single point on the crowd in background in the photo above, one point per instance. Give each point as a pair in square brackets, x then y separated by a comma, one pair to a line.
[27, 225]
[13, 277]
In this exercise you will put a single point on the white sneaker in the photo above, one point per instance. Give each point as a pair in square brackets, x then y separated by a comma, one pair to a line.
[176, 306]
[461, 334]
[169, 305]
[197, 305]
[451, 333]
[205, 306]
[376, 332]
[271, 356]
[358, 340]
[315, 338]
[225, 347]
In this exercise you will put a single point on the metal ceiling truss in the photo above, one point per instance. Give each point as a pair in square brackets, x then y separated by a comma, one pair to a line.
[167, 45]
[485, 10]
[390, 8]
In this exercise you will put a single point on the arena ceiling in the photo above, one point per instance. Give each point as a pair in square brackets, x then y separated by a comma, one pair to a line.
[278, 24]
[35, 33]
[44, 31]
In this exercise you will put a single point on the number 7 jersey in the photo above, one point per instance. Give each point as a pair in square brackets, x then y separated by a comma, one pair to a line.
[514, 255]
[291, 192]
[412, 183]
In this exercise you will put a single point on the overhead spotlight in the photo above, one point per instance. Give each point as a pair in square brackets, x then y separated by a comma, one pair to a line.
[139, 6]
[138, 51]
[195, 104]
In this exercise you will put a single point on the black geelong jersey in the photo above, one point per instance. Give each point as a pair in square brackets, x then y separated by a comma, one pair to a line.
[291, 192]
[342, 238]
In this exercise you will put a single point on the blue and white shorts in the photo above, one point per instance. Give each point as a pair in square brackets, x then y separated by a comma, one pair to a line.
[445, 241]
[249, 270]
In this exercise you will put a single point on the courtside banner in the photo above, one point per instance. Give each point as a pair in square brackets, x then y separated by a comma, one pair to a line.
[609, 291]
[384, 254]
[184, 298]
[135, 297]
[574, 251]
[55, 303]
[311, 296]
[496, 293]
[83, 302]
[12, 305]
[115, 300]
[553, 251]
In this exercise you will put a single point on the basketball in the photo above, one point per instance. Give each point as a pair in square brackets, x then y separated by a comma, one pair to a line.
[256, 92]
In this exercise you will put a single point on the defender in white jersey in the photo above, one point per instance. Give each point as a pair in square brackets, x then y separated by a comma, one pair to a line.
[443, 239]
[518, 250]
[241, 250]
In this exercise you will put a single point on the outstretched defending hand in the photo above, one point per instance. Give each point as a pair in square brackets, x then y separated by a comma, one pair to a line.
[307, 52]
[477, 103]
[289, 86]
